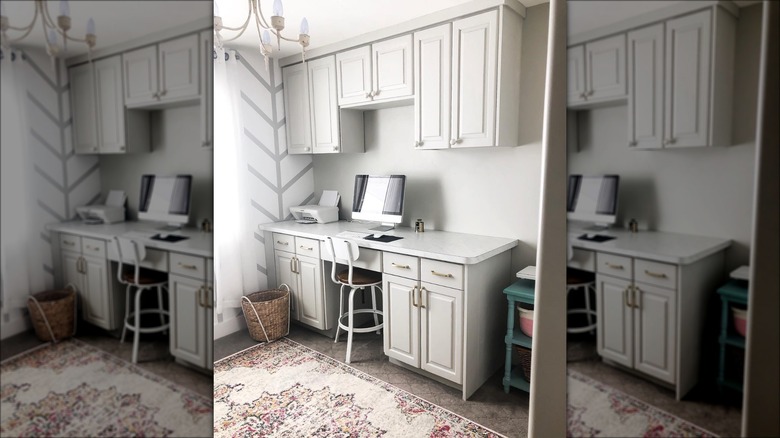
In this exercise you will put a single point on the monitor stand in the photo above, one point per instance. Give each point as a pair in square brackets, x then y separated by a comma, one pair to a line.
[384, 227]
[170, 228]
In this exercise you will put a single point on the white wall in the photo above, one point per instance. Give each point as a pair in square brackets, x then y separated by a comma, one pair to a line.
[703, 191]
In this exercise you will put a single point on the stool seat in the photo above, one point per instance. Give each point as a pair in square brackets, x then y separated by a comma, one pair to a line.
[578, 277]
[360, 277]
[145, 276]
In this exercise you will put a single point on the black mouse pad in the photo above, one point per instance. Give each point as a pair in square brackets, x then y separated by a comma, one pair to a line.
[383, 238]
[169, 238]
[596, 238]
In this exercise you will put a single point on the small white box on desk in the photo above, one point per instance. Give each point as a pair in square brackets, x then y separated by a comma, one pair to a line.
[315, 213]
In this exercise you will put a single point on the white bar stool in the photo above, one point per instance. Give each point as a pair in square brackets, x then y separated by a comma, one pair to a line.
[347, 252]
[584, 281]
[132, 253]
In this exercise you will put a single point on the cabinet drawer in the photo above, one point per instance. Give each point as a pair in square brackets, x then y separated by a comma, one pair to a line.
[306, 247]
[187, 265]
[442, 273]
[583, 259]
[401, 265]
[659, 274]
[69, 242]
[93, 247]
[284, 242]
[614, 265]
[370, 259]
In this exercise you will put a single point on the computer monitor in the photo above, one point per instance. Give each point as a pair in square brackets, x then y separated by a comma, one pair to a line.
[379, 198]
[165, 199]
[593, 199]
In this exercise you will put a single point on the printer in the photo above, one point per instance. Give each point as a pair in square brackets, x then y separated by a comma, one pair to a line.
[113, 211]
[320, 214]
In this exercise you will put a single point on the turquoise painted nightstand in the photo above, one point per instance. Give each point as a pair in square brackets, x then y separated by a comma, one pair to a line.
[521, 291]
[733, 292]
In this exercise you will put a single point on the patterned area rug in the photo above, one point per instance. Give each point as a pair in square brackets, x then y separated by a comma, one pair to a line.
[595, 409]
[284, 389]
[74, 389]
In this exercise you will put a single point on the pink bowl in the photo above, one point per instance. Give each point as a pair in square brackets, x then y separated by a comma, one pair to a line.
[526, 321]
[740, 320]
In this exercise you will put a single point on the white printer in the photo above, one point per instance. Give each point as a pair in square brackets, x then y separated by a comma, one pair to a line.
[325, 211]
[113, 211]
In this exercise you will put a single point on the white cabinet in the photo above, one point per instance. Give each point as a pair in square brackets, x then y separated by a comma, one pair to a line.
[101, 124]
[298, 265]
[190, 298]
[163, 74]
[296, 108]
[207, 79]
[598, 71]
[324, 109]
[432, 87]
[646, 87]
[381, 71]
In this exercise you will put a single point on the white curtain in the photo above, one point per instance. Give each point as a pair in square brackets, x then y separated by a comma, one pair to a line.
[234, 258]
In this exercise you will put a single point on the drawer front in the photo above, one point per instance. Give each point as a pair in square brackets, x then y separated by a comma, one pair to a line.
[401, 265]
[442, 273]
[370, 259]
[658, 274]
[306, 247]
[583, 259]
[614, 265]
[187, 265]
[69, 242]
[93, 247]
[284, 242]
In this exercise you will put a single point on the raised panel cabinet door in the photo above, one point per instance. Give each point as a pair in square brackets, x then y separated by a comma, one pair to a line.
[310, 290]
[615, 320]
[83, 109]
[646, 87]
[474, 64]
[655, 331]
[97, 297]
[354, 75]
[188, 319]
[71, 272]
[286, 275]
[432, 85]
[441, 339]
[210, 327]
[605, 60]
[392, 68]
[401, 319]
[575, 63]
[110, 105]
[178, 63]
[687, 96]
[296, 108]
[323, 105]
[140, 75]
[206, 62]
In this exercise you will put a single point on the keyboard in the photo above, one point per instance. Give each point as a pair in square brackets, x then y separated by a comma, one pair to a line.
[351, 235]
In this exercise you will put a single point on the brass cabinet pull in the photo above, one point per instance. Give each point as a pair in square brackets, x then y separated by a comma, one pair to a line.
[422, 306]
[190, 267]
[413, 291]
[400, 266]
[655, 274]
[200, 296]
[93, 248]
[68, 242]
[439, 274]
[613, 266]
[209, 297]
[637, 303]
[282, 243]
[626, 298]
[307, 248]
[292, 265]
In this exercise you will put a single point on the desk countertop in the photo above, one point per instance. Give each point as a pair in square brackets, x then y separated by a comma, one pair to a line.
[674, 248]
[440, 245]
[199, 243]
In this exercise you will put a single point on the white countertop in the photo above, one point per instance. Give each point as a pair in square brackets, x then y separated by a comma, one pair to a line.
[440, 245]
[680, 249]
[199, 243]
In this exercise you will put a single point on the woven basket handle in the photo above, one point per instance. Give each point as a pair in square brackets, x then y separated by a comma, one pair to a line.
[257, 316]
[289, 305]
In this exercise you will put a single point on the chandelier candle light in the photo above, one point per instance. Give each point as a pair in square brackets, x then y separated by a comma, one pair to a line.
[50, 29]
[264, 29]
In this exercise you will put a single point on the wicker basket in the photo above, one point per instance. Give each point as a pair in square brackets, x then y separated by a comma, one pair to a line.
[525, 360]
[53, 313]
[267, 313]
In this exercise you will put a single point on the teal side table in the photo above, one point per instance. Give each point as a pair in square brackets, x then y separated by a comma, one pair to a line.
[521, 291]
[733, 292]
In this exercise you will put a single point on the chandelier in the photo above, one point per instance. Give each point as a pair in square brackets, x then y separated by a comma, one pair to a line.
[264, 29]
[50, 29]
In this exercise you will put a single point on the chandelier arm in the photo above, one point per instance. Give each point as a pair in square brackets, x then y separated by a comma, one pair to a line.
[27, 29]
[288, 39]
[46, 16]
[224, 40]
[242, 28]
[259, 17]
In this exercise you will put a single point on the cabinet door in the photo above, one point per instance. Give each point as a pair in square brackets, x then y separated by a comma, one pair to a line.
[354, 75]
[82, 95]
[655, 331]
[605, 61]
[209, 298]
[645, 87]
[96, 295]
[615, 320]
[323, 106]
[687, 80]
[178, 63]
[401, 319]
[140, 68]
[474, 53]
[441, 339]
[392, 68]
[206, 63]
[310, 292]
[286, 275]
[575, 62]
[188, 319]
[71, 271]
[432, 84]
[110, 104]
[296, 107]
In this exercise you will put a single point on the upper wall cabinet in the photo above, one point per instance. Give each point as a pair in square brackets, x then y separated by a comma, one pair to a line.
[296, 107]
[432, 87]
[597, 71]
[101, 124]
[207, 78]
[379, 72]
[163, 74]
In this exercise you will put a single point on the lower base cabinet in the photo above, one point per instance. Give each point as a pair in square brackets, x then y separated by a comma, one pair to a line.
[191, 308]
